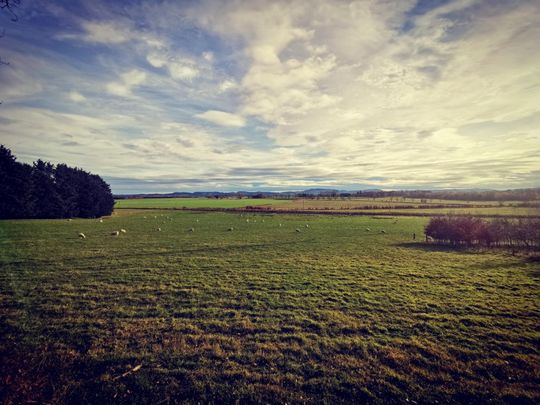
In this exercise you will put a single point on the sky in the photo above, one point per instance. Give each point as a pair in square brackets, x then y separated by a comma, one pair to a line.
[163, 96]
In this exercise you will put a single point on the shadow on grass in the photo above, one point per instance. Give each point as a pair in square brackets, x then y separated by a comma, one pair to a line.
[437, 247]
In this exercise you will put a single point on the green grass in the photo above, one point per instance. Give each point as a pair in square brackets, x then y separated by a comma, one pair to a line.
[194, 202]
[411, 206]
[331, 314]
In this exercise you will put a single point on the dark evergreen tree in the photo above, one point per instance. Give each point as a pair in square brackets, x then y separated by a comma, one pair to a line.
[67, 189]
[46, 191]
[48, 203]
[16, 199]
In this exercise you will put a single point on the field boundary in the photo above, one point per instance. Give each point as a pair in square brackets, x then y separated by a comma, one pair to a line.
[263, 210]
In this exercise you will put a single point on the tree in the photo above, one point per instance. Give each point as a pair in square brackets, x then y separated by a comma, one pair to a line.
[46, 191]
[16, 199]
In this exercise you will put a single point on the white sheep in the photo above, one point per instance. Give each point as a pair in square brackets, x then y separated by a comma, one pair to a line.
[280, 225]
[115, 233]
[159, 229]
[191, 230]
[69, 220]
[231, 229]
[368, 230]
[298, 230]
[383, 231]
[123, 230]
[307, 225]
[100, 220]
[144, 217]
[82, 235]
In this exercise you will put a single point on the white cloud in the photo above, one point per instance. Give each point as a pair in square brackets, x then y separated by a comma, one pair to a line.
[223, 118]
[76, 97]
[127, 82]
[338, 93]
[227, 85]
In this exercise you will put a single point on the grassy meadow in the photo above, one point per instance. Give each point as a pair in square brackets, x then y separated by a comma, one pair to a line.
[397, 206]
[195, 202]
[338, 312]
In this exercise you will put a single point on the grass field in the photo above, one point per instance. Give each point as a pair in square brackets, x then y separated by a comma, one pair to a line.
[412, 206]
[368, 205]
[331, 314]
[194, 202]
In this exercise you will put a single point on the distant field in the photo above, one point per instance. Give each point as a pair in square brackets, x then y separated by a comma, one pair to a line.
[194, 202]
[411, 206]
[398, 206]
[339, 312]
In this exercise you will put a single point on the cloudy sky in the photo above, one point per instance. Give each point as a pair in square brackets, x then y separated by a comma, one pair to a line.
[243, 95]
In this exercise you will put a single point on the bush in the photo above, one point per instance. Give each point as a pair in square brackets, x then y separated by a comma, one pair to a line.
[469, 230]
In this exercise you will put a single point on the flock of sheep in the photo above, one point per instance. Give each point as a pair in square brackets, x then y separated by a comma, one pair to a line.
[192, 229]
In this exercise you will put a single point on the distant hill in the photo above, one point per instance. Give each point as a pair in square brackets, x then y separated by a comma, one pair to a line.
[529, 194]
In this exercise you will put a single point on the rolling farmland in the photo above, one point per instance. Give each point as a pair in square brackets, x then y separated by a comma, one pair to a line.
[282, 308]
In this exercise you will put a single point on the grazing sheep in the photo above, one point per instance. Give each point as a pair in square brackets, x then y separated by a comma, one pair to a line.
[123, 230]
[69, 220]
[115, 233]
[307, 225]
[280, 225]
[158, 229]
[231, 229]
[383, 231]
[298, 230]
[247, 220]
[191, 230]
[82, 235]
[196, 220]
[144, 217]
[368, 230]
[155, 216]
[100, 220]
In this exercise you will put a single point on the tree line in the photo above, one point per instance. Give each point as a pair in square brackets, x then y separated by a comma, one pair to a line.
[470, 231]
[44, 190]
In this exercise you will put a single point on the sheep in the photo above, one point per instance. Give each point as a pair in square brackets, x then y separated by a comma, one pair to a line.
[368, 230]
[196, 220]
[144, 217]
[158, 229]
[383, 231]
[298, 230]
[247, 220]
[123, 230]
[82, 235]
[69, 220]
[280, 225]
[101, 220]
[230, 229]
[307, 225]
[115, 233]
[191, 230]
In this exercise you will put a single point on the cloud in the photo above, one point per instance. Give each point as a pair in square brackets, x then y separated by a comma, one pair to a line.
[178, 68]
[385, 94]
[223, 118]
[127, 82]
[76, 97]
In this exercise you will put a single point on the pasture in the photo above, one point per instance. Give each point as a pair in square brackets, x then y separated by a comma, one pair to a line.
[396, 206]
[194, 202]
[336, 312]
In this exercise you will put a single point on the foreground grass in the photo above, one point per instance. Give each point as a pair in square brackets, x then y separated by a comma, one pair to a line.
[334, 313]
[195, 202]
